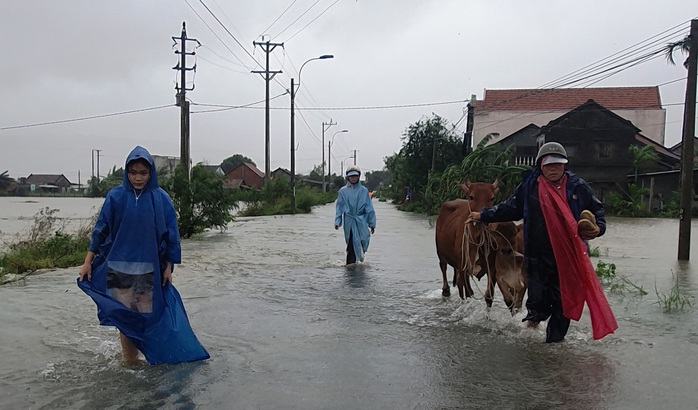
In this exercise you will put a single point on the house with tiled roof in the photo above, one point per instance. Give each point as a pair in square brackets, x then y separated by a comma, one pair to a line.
[506, 111]
[597, 141]
[244, 175]
[47, 182]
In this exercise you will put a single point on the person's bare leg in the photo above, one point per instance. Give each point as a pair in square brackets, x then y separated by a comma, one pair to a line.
[531, 324]
[144, 302]
[129, 350]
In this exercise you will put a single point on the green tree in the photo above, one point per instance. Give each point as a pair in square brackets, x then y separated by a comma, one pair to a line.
[100, 187]
[231, 162]
[376, 178]
[316, 173]
[683, 45]
[486, 163]
[630, 204]
[201, 203]
[427, 145]
[641, 157]
[5, 180]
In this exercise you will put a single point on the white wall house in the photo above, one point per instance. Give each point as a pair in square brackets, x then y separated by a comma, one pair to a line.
[507, 111]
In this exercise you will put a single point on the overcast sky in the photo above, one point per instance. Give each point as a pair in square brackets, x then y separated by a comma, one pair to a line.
[395, 61]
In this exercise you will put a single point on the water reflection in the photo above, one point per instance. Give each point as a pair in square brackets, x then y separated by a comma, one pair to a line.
[356, 276]
[289, 326]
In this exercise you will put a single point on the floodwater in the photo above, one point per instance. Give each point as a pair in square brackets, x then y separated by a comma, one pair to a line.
[289, 327]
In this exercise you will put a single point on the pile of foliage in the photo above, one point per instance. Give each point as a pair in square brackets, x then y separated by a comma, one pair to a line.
[275, 198]
[47, 245]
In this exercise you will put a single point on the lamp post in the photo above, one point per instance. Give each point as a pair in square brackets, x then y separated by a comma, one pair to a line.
[329, 155]
[342, 164]
[294, 89]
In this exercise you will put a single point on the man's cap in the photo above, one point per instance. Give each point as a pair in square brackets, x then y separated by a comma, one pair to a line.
[553, 159]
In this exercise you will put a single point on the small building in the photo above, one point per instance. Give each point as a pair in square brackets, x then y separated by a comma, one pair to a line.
[48, 183]
[164, 165]
[244, 175]
[281, 173]
[506, 111]
[597, 141]
[216, 169]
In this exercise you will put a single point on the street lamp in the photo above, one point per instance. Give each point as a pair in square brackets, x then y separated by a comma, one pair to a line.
[294, 89]
[342, 164]
[329, 154]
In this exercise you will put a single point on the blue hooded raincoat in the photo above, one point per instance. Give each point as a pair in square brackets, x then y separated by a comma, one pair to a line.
[354, 204]
[136, 233]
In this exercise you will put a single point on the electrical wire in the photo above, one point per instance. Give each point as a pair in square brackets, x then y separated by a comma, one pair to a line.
[277, 19]
[299, 17]
[313, 20]
[13, 127]
[217, 36]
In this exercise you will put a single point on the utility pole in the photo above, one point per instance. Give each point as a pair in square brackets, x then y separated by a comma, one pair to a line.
[93, 164]
[322, 148]
[267, 47]
[468, 136]
[354, 157]
[97, 151]
[184, 145]
[433, 153]
[687, 148]
[293, 148]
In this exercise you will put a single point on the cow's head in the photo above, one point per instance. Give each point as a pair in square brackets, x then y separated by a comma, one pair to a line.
[509, 264]
[480, 194]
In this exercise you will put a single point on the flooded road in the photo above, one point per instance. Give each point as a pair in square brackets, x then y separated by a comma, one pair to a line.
[289, 327]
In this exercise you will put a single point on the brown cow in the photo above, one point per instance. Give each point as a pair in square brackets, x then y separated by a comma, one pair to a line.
[456, 237]
[506, 265]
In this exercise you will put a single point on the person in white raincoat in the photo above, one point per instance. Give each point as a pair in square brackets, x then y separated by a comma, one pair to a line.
[355, 212]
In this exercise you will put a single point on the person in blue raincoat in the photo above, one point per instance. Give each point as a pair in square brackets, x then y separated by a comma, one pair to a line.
[355, 211]
[128, 268]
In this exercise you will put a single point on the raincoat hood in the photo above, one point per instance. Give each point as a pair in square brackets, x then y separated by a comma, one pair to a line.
[137, 153]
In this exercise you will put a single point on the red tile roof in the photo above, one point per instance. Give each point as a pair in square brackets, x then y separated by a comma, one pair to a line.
[612, 98]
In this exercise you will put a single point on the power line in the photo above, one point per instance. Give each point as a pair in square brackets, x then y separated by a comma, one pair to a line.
[384, 107]
[313, 20]
[85, 118]
[602, 62]
[232, 107]
[299, 17]
[277, 19]
[217, 36]
[228, 31]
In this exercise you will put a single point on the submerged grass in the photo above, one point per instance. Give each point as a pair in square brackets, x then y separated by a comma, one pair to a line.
[617, 284]
[676, 300]
[46, 245]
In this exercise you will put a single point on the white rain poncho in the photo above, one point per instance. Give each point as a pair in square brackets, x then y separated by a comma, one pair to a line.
[355, 208]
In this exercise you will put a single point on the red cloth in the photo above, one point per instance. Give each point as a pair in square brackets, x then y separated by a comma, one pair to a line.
[578, 280]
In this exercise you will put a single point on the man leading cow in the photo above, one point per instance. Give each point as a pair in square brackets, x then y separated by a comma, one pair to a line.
[560, 277]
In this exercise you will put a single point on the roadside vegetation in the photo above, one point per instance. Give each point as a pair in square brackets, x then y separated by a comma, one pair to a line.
[46, 245]
[275, 198]
[430, 166]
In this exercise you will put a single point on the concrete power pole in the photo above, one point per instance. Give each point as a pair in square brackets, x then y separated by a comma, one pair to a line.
[322, 148]
[185, 144]
[267, 47]
[98, 151]
[687, 148]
